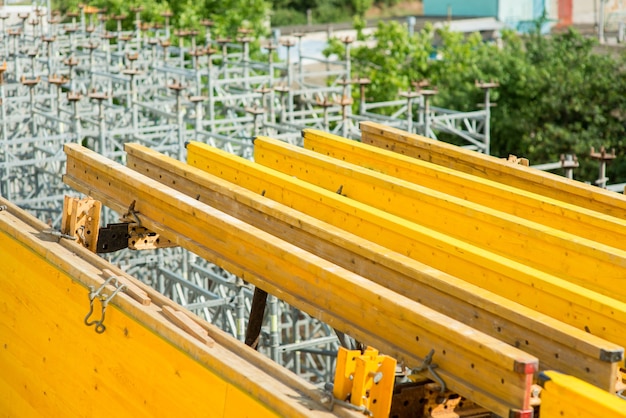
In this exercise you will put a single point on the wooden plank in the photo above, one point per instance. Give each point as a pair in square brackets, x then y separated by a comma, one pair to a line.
[547, 249]
[81, 219]
[480, 367]
[558, 346]
[492, 168]
[58, 366]
[568, 397]
[183, 321]
[131, 288]
[557, 214]
[586, 310]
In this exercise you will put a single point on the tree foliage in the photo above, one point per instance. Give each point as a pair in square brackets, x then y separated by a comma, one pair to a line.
[556, 94]
[228, 15]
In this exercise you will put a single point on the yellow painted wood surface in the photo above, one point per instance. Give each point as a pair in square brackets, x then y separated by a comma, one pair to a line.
[398, 326]
[566, 217]
[555, 297]
[557, 345]
[492, 168]
[565, 396]
[547, 249]
[62, 367]
[53, 365]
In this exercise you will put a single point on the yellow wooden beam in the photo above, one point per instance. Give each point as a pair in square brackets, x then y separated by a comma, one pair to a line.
[492, 168]
[557, 214]
[547, 249]
[473, 364]
[567, 397]
[598, 314]
[54, 365]
[558, 346]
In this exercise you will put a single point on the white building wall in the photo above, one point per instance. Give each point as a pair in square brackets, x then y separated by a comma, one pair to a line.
[587, 12]
[515, 11]
[553, 10]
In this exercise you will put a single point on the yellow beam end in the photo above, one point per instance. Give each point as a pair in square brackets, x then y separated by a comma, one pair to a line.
[565, 396]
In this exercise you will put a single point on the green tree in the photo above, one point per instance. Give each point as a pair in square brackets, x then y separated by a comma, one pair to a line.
[228, 15]
[556, 95]
[397, 60]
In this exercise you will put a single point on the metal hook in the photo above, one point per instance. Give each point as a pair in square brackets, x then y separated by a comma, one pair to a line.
[104, 301]
[430, 366]
[132, 212]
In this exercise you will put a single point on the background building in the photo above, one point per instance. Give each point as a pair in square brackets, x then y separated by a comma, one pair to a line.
[518, 13]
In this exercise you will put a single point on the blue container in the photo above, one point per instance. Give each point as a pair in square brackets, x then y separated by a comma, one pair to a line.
[517, 14]
[468, 8]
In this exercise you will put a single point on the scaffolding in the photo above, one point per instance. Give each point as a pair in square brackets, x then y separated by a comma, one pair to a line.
[78, 82]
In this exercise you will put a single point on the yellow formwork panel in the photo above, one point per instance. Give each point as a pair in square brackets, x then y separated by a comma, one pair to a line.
[492, 168]
[565, 396]
[547, 249]
[468, 360]
[584, 309]
[141, 366]
[557, 214]
[558, 346]
[62, 367]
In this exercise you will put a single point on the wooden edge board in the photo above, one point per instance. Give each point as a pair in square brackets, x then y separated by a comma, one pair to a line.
[570, 218]
[316, 281]
[601, 315]
[181, 319]
[548, 339]
[76, 262]
[548, 249]
[486, 166]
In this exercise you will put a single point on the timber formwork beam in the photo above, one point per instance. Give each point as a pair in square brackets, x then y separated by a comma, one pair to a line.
[53, 364]
[558, 346]
[547, 249]
[492, 168]
[485, 370]
[554, 213]
[567, 397]
[577, 306]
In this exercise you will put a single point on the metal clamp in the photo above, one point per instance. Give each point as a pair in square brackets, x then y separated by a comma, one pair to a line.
[329, 399]
[430, 366]
[104, 301]
[132, 212]
[58, 234]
